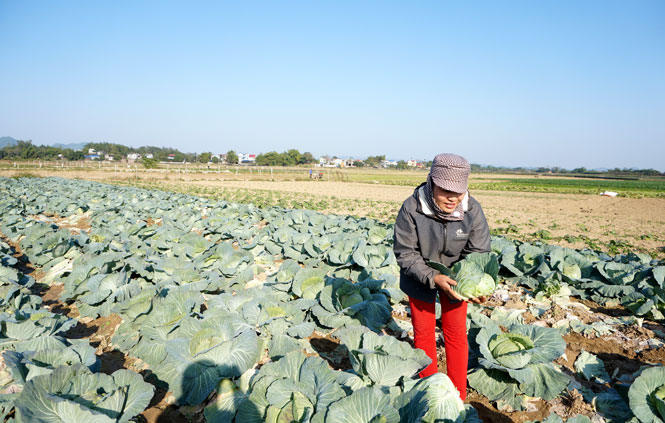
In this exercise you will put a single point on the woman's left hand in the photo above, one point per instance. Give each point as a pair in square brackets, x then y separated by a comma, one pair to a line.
[478, 300]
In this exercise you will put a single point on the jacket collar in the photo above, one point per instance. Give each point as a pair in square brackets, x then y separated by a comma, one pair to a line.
[424, 208]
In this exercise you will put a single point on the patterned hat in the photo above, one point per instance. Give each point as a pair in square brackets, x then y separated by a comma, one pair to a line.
[450, 172]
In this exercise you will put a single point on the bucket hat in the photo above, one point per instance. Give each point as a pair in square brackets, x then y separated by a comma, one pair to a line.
[450, 172]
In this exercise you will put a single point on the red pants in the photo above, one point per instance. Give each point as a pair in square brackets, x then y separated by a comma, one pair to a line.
[453, 319]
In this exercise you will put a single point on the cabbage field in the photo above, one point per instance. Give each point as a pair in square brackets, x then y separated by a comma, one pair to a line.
[123, 304]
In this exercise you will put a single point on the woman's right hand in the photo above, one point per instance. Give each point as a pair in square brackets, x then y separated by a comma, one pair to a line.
[445, 284]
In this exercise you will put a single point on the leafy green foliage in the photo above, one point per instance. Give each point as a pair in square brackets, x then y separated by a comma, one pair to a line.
[647, 395]
[208, 288]
[517, 363]
[476, 275]
[75, 394]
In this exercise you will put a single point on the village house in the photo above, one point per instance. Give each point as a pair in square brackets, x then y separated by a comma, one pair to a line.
[326, 161]
[246, 158]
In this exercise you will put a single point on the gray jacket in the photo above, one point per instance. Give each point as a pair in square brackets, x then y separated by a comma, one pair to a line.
[420, 236]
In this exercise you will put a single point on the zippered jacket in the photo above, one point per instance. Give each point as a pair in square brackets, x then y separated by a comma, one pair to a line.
[420, 236]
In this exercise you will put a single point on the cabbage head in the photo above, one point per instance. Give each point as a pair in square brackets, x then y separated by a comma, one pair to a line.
[342, 302]
[476, 275]
[518, 364]
[647, 395]
[432, 399]
[511, 349]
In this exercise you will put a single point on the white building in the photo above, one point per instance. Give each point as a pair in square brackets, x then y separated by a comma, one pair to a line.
[133, 156]
[149, 156]
[246, 158]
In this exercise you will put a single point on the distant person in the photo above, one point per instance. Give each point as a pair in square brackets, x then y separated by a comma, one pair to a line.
[310, 174]
[440, 222]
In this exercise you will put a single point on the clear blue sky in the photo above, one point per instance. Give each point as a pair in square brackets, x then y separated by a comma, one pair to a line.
[514, 83]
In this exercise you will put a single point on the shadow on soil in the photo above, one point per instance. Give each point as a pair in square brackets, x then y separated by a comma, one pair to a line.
[336, 355]
[487, 415]
[624, 364]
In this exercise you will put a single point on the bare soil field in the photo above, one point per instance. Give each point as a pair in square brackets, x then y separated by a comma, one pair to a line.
[571, 220]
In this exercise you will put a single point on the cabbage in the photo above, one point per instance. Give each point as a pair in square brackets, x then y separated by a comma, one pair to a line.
[476, 275]
[511, 350]
[432, 399]
[659, 400]
[647, 395]
[518, 364]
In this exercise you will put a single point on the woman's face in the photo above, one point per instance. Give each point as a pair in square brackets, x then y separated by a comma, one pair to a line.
[447, 200]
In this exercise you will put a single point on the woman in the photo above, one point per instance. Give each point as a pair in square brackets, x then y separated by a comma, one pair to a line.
[440, 222]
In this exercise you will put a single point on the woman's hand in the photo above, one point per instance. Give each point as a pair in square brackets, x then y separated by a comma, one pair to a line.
[445, 284]
[478, 300]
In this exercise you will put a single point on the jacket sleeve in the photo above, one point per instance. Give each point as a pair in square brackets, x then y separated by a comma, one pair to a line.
[479, 240]
[407, 250]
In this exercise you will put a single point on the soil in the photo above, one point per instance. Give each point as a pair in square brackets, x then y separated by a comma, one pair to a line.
[489, 414]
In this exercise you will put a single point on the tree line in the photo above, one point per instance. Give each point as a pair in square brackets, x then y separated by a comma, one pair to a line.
[288, 158]
[25, 150]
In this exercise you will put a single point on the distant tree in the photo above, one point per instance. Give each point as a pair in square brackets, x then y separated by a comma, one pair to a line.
[272, 158]
[579, 170]
[359, 163]
[74, 154]
[150, 163]
[28, 151]
[291, 157]
[288, 158]
[205, 157]
[215, 159]
[402, 165]
[231, 157]
[307, 158]
[375, 161]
